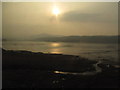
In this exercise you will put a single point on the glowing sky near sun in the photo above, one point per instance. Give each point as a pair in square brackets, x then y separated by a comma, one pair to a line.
[56, 10]
[32, 18]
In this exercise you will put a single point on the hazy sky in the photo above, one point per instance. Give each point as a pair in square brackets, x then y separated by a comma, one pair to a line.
[80, 18]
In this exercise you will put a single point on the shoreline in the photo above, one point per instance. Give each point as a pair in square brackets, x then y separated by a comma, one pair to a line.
[88, 73]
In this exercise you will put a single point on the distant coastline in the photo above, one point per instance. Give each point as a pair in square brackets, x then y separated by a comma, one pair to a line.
[79, 39]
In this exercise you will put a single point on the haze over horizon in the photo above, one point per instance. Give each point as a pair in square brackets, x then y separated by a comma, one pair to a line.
[24, 19]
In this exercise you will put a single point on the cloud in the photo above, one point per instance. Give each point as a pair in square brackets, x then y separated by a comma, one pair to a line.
[77, 16]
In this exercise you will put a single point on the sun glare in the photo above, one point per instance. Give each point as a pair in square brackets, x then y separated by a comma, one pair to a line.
[56, 11]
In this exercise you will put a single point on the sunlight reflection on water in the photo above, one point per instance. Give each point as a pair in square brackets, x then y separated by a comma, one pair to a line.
[55, 50]
[55, 44]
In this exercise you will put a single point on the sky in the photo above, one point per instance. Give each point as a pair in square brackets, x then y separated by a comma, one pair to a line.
[24, 19]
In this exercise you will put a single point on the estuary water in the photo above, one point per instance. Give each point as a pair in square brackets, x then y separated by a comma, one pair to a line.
[108, 53]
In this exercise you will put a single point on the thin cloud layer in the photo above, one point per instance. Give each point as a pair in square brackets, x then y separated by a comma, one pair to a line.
[77, 16]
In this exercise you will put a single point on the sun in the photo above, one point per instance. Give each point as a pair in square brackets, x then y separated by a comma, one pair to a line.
[56, 11]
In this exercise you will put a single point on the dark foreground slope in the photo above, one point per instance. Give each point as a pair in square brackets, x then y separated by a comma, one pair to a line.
[24, 69]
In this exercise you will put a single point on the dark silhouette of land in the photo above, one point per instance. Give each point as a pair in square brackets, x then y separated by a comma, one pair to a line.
[25, 69]
[82, 39]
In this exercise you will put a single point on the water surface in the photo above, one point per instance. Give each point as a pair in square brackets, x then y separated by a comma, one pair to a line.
[106, 52]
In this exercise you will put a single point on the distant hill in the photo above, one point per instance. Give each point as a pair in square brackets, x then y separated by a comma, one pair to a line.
[83, 39]
[60, 38]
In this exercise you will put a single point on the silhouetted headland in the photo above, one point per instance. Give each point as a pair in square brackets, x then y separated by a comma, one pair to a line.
[25, 69]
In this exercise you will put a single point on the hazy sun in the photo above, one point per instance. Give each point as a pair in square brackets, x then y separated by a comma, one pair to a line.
[56, 11]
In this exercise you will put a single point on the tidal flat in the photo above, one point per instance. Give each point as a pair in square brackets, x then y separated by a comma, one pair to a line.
[25, 69]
